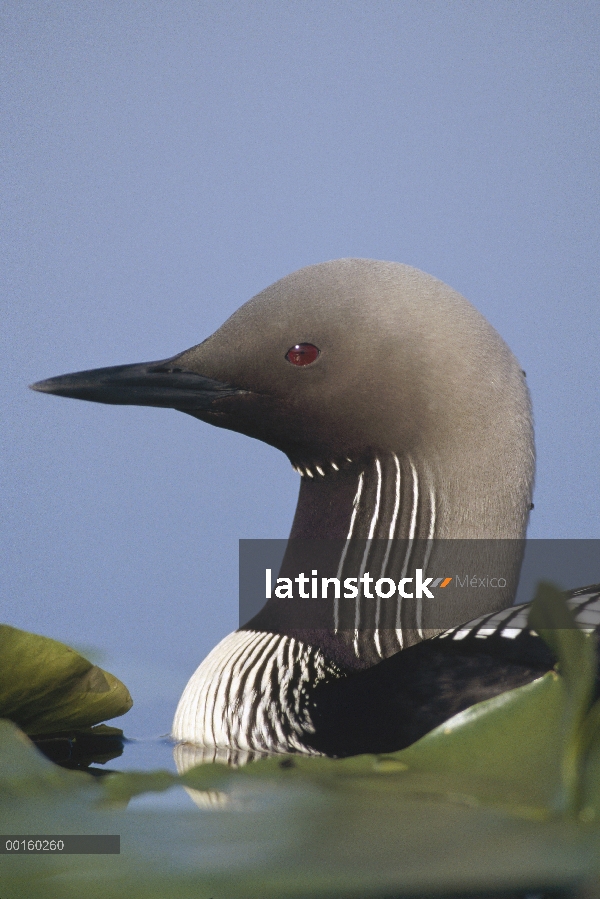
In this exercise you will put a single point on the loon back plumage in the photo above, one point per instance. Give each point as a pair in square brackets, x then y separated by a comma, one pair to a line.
[410, 424]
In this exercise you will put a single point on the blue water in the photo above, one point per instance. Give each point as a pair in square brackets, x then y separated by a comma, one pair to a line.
[145, 754]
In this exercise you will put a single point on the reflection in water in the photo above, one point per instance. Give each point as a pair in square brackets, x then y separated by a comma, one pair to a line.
[86, 750]
[188, 755]
[79, 749]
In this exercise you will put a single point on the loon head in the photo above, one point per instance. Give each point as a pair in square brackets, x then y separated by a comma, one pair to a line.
[345, 360]
[404, 411]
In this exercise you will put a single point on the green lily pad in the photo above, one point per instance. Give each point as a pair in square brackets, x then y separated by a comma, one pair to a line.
[47, 687]
[321, 828]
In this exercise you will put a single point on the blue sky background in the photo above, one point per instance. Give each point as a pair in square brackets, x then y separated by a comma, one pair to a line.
[165, 162]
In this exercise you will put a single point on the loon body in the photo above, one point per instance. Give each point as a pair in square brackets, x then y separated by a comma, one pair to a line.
[293, 703]
[409, 421]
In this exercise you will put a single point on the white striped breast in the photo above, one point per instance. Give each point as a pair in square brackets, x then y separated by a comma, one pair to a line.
[251, 694]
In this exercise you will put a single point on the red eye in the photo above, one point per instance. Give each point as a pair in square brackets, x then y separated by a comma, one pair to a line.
[302, 354]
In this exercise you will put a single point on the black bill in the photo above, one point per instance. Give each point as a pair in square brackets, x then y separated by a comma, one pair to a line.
[142, 384]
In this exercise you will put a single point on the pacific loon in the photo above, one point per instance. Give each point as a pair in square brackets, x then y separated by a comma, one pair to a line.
[409, 422]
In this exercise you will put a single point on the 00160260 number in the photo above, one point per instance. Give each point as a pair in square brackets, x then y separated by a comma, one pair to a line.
[34, 845]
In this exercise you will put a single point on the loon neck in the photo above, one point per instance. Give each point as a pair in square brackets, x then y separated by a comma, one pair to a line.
[383, 497]
[383, 515]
